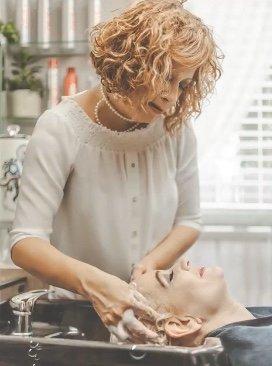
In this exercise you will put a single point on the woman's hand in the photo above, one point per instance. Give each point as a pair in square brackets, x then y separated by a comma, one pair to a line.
[167, 251]
[146, 264]
[117, 303]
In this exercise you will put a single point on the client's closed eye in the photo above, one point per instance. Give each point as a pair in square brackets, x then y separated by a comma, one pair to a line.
[171, 276]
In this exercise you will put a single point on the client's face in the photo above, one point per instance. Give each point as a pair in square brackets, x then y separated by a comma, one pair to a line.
[184, 289]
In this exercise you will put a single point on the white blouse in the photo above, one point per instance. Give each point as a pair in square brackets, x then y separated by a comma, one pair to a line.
[105, 197]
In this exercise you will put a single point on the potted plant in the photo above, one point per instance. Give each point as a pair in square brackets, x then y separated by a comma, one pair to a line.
[8, 35]
[10, 32]
[25, 87]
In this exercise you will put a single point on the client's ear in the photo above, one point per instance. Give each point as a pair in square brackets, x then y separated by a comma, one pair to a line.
[179, 327]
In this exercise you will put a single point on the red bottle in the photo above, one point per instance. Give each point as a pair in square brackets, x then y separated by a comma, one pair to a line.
[70, 81]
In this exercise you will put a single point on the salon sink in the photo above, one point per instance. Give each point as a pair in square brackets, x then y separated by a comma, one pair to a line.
[70, 333]
[5, 327]
[47, 330]
[59, 319]
[40, 329]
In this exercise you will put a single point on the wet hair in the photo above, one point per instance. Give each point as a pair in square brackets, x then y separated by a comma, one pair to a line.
[139, 46]
[157, 327]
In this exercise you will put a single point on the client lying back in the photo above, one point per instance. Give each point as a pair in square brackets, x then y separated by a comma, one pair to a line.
[194, 303]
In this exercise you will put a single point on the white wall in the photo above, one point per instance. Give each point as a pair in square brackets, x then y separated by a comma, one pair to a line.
[109, 9]
[246, 258]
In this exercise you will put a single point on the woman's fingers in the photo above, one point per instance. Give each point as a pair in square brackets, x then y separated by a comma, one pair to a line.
[129, 328]
[141, 304]
[139, 297]
[136, 294]
[134, 326]
[117, 308]
[137, 271]
[109, 319]
[119, 331]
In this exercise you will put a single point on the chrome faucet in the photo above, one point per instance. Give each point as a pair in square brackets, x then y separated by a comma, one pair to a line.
[22, 307]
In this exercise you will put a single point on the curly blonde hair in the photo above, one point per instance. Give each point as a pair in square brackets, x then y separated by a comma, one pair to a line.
[139, 46]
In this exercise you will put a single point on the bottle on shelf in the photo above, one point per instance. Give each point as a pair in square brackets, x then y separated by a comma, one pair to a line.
[43, 25]
[3, 11]
[68, 23]
[53, 95]
[94, 12]
[70, 82]
[23, 21]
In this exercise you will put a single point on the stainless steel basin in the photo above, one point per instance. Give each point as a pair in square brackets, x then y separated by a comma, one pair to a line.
[69, 333]
[59, 319]
[47, 330]
[40, 329]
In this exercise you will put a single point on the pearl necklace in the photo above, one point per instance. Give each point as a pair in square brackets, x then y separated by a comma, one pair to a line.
[114, 111]
[101, 124]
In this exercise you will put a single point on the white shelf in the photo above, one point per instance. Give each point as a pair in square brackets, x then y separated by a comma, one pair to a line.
[54, 48]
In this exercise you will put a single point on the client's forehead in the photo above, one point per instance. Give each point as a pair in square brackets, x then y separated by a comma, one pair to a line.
[161, 299]
[149, 286]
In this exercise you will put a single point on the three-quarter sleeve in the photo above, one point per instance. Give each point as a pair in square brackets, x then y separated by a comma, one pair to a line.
[48, 162]
[188, 211]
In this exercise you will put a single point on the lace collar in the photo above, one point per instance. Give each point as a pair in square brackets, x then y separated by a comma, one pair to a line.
[90, 132]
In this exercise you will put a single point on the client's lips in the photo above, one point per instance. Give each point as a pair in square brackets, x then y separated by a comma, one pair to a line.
[201, 271]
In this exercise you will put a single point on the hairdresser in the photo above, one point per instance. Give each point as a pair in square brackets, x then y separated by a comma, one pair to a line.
[110, 181]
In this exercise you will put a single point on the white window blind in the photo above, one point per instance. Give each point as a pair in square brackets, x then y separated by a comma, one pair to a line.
[234, 130]
[256, 147]
[244, 178]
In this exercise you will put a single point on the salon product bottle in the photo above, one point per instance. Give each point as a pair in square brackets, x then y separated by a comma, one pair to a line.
[68, 23]
[70, 82]
[43, 25]
[3, 11]
[23, 21]
[94, 12]
[53, 96]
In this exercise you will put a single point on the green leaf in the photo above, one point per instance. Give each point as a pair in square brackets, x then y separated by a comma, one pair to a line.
[35, 69]
[25, 76]
[10, 32]
[15, 72]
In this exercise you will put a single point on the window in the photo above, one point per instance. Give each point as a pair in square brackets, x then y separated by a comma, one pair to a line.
[234, 130]
[249, 180]
[267, 90]
[258, 174]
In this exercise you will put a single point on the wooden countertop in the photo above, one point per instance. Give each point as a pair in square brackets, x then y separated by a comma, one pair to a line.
[9, 275]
